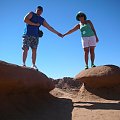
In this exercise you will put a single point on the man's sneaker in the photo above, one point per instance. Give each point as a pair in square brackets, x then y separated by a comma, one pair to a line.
[93, 65]
[23, 65]
[34, 67]
[86, 67]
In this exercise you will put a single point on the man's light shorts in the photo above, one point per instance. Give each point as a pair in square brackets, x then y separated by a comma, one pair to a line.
[88, 41]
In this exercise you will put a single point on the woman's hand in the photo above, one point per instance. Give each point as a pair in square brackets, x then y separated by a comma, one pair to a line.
[97, 40]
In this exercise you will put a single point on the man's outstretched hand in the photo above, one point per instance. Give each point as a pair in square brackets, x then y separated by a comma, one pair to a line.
[60, 35]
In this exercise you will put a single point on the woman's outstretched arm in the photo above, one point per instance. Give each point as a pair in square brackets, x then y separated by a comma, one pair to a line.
[72, 30]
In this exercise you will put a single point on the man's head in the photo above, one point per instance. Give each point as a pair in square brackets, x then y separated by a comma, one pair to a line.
[39, 10]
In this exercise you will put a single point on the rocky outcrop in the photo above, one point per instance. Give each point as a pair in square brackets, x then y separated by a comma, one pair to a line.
[67, 83]
[101, 76]
[14, 78]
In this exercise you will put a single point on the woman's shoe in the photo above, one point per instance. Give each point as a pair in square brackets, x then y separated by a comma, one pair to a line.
[86, 67]
[93, 65]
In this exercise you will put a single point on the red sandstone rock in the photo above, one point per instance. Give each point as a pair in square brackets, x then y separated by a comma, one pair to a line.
[14, 78]
[101, 76]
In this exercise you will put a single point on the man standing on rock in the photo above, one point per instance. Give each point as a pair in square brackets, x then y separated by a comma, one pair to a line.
[33, 21]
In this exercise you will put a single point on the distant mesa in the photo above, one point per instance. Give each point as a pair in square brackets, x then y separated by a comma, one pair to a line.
[14, 78]
[67, 83]
[101, 76]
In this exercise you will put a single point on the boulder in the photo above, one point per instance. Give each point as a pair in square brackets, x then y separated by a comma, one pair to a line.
[101, 76]
[14, 78]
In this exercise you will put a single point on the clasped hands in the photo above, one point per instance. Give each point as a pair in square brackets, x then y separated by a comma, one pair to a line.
[61, 35]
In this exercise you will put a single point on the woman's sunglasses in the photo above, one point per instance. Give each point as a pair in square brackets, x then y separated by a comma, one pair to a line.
[81, 15]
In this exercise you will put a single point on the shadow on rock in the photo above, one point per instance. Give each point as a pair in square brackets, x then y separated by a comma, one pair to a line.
[37, 106]
[112, 93]
[97, 105]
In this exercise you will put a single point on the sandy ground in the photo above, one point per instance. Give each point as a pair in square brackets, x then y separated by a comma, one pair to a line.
[87, 106]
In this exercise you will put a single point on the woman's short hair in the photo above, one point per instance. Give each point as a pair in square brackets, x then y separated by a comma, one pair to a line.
[80, 14]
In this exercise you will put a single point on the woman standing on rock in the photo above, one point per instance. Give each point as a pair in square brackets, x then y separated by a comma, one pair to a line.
[89, 37]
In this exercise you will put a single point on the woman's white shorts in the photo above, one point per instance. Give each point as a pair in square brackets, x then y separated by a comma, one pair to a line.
[88, 41]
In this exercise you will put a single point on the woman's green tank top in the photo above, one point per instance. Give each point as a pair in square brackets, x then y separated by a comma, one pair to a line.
[86, 30]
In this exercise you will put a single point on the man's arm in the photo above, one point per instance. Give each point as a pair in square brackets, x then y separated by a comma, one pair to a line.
[45, 24]
[72, 30]
[27, 19]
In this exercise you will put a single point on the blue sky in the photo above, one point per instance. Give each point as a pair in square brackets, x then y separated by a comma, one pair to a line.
[61, 57]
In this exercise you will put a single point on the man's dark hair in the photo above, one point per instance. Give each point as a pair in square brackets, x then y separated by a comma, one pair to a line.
[39, 7]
